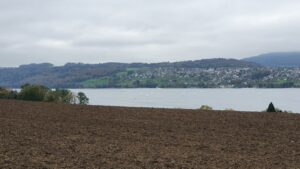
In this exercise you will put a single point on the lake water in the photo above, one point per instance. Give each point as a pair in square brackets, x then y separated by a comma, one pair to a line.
[219, 99]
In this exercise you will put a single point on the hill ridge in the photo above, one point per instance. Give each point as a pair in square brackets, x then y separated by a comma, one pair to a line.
[72, 74]
[277, 59]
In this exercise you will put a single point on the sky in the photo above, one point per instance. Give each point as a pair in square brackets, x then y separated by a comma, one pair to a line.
[97, 31]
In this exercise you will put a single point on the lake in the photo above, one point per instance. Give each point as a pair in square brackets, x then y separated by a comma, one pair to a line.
[219, 99]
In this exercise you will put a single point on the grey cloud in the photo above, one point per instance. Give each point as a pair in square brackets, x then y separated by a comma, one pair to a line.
[93, 31]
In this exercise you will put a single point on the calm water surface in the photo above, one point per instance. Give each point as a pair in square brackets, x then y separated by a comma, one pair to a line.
[220, 99]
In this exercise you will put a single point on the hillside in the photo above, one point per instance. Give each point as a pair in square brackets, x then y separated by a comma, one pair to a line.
[280, 59]
[207, 73]
[45, 135]
[78, 75]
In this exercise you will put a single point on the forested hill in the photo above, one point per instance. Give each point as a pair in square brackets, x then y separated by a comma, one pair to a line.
[98, 75]
[208, 73]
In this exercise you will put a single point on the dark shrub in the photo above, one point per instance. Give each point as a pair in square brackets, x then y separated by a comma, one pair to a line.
[271, 108]
[60, 96]
[66, 96]
[82, 98]
[33, 92]
[7, 94]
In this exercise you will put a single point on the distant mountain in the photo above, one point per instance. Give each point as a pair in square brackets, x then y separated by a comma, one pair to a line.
[73, 75]
[280, 59]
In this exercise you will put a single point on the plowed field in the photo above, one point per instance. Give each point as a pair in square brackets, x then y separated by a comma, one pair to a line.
[48, 135]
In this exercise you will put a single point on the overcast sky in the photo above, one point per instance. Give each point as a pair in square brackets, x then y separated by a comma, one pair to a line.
[96, 31]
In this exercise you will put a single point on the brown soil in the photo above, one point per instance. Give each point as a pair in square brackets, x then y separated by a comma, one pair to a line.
[44, 135]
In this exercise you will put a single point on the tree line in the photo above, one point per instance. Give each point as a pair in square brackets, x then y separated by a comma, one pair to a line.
[31, 92]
